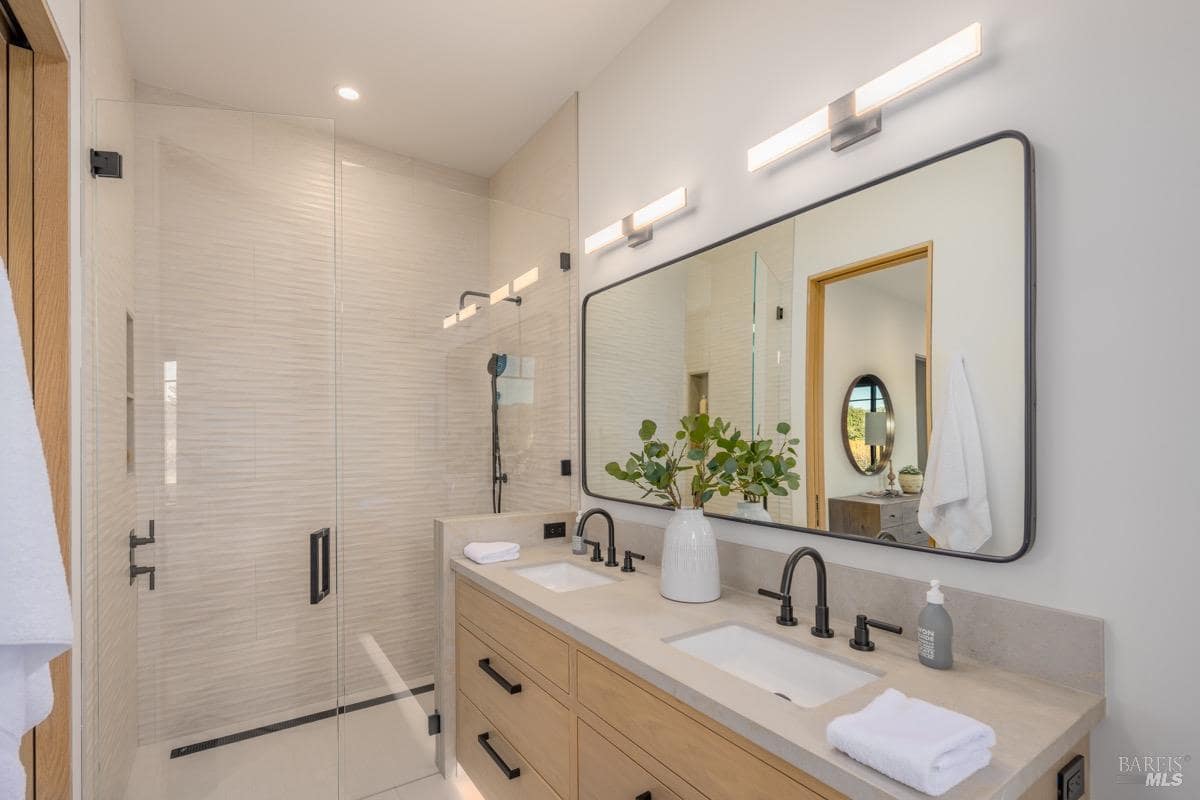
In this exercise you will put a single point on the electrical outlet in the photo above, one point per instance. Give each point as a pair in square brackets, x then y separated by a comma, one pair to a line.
[554, 530]
[1070, 780]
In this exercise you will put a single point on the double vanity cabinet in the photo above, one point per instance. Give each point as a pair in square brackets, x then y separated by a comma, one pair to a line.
[569, 681]
[531, 701]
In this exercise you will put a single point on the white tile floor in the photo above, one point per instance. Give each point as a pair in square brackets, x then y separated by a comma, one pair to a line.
[386, 754]
[434, 788]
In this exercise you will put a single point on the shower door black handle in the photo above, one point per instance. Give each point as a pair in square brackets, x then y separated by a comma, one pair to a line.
[318, 566]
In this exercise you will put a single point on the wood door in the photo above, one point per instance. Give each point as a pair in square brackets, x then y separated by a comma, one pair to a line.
[34, 242]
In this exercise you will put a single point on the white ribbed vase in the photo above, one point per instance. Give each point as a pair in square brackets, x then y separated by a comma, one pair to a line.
[690, 573]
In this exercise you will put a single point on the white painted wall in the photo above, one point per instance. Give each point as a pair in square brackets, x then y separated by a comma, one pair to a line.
[1098, 91]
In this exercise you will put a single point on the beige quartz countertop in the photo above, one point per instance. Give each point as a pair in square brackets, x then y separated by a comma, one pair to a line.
[1036, 722]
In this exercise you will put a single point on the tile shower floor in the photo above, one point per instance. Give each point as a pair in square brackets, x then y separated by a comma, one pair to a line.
[386, 755]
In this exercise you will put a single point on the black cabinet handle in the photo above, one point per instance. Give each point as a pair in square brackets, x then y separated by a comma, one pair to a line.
[318, 566]
[643, 796]
[485, 664]
[509, 772]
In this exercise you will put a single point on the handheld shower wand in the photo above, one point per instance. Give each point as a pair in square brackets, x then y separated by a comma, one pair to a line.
[495, 367]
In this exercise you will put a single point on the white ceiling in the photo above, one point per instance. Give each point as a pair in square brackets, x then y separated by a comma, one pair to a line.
[463, 83]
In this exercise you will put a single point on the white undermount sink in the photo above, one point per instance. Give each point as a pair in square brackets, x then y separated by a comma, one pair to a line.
[562, 576]
[797, 674]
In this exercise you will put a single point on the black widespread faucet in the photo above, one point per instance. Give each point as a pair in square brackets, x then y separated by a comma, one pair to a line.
[611, 561]
[784, 595]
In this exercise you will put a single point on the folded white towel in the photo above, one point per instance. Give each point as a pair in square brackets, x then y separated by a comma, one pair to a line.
[35, 610]
[927, 747]
[492, 552]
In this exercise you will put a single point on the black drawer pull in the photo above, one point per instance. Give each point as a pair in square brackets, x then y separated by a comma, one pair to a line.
[485, 664]
[509, 772]
[643, 796]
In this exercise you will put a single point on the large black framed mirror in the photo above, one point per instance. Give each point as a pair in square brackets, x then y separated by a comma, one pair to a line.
[918, 287]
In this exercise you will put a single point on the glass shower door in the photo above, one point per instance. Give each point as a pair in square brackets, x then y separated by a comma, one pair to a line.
[212, 369]
[770, 363]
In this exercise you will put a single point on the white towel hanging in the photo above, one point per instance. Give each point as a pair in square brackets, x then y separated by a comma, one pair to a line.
[954, 506]
[35, 608]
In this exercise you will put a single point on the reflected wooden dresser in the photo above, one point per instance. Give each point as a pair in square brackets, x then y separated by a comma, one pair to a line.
[892, 518]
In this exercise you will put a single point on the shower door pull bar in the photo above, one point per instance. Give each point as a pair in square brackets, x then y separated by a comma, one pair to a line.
[318, 561]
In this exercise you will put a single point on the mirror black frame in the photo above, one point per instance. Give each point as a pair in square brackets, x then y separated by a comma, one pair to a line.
[1030, 437]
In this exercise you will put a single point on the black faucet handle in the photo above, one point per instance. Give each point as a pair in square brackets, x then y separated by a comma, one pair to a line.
[629, 557]
[786, 614]
[862, 632]
[595, 550]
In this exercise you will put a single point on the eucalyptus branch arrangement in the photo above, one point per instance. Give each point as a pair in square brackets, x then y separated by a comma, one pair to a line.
[657, 467]
[757, 468]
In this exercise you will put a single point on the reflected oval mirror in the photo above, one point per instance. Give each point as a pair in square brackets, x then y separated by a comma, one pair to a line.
[868, 425]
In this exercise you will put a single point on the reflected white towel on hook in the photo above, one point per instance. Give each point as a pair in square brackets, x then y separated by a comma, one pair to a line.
[35, 609]
[954, 506]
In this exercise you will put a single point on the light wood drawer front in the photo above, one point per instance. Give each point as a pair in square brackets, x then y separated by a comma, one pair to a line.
[605, 773]
[539, 648]
[484, 771]
[714, 765]
[534, 722]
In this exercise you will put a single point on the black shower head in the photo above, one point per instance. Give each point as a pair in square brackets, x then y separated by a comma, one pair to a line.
[496, 364]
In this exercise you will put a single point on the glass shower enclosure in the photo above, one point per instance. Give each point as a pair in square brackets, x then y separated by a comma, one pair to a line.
[275, 413]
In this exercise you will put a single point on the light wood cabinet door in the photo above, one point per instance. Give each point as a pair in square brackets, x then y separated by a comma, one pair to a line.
[495, 766]
[546, 653]
[537, 725]
[605, 773]
[716, 766]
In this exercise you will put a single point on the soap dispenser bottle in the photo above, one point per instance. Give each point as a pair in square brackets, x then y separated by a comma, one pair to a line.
[935, 630]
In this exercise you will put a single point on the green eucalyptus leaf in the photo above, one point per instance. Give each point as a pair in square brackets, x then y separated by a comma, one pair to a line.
[646, 432]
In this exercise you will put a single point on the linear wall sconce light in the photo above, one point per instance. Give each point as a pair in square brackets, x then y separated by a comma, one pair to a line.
[859, 114]
[637, 228]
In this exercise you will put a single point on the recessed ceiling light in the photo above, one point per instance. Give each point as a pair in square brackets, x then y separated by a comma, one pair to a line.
[347, 92]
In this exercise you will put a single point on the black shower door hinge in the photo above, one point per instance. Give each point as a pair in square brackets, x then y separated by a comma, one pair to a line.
[564, 262]
[435, 723]
[106, 164]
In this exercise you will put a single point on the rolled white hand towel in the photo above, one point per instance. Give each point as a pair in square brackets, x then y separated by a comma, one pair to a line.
[492, 552]
[927, 747]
